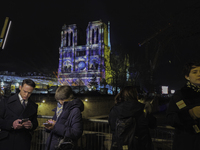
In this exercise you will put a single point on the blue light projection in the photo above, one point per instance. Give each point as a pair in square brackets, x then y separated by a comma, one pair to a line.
[78, 64]
[81, 65]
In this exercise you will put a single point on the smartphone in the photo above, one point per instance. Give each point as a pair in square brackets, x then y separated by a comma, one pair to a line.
[24, 120]
[46, 124]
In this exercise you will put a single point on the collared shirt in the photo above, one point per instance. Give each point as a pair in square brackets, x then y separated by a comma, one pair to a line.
[21, 100]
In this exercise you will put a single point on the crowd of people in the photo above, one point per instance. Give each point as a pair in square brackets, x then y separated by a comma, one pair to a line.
[129, 119]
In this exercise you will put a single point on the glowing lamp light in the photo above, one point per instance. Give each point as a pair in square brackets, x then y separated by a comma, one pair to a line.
[43, 101]
[164, 89]
[17, 84]
[86, 100]
[172, 91]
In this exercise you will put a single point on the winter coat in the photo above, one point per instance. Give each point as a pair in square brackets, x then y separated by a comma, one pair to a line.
[134, 109]
[68, 124]
[11, 109]
[185, 137]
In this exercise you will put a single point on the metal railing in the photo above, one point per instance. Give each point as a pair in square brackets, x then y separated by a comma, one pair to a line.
[96, 135]
[40, 135]
[162, 137]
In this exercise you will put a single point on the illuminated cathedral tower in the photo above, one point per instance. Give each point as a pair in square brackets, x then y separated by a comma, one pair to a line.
[82, 64]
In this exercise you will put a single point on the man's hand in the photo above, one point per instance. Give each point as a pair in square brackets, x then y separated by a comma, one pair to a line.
[27, 124]
[195, 112]
[17, 125]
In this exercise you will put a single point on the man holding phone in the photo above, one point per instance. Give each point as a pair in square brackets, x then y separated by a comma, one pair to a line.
[18, 118]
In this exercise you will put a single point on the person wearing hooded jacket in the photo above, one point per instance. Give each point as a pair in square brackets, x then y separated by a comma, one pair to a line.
[67, 120]
[127, 105]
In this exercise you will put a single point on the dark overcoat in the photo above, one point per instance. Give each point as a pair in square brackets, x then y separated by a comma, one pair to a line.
[178, 116]
[68, 124]
[11, 109]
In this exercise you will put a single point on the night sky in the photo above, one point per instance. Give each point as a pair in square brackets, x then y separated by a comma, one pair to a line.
[34, 38]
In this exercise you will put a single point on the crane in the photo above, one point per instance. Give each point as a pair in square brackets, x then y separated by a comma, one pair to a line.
[4, 33]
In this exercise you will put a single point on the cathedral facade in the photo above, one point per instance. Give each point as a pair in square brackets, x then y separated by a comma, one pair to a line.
[84, 65]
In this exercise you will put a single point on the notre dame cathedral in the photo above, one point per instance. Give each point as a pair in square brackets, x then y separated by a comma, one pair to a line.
[81, 65]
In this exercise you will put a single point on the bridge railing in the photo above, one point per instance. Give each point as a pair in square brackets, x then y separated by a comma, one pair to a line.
[96, 135]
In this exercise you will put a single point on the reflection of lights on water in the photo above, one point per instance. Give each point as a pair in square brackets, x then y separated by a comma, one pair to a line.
[43, 101]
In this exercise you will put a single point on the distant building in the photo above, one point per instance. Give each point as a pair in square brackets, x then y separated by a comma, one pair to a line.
[84, 65]
[9, 81]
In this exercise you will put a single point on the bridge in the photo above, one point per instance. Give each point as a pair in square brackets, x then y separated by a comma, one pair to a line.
[10, 81]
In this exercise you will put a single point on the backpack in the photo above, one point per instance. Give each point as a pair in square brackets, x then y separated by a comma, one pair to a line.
[124, 137]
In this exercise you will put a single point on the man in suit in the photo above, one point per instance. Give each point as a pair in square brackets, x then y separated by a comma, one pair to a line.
[14, 133]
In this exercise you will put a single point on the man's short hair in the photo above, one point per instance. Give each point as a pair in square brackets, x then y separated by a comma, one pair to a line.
[64, 92]
[187, 68]
[29, 82]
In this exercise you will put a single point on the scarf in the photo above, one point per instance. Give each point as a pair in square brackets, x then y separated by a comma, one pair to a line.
[196, 88]
[59, 109]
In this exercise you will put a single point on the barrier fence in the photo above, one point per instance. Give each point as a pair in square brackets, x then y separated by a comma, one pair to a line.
[97, 136]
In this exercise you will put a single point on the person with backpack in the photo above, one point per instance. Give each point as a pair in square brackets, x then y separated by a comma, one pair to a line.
[130, 121]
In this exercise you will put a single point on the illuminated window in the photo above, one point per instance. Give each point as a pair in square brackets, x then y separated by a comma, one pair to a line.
[67, 44]
[64, 41]
[92, 36]
[65, 54]
[71, 38]
[96, 66]
[80, 53]
[164, 89]
[97, 39]
[68, 54]
[93, 52]
[67, 69]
